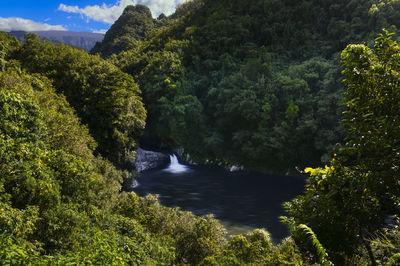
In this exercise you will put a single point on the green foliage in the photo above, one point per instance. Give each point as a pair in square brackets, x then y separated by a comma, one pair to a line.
[346, 203]
[132, 26]
[255, 249]
[20, 223]
[22, 152]
[394, 260]
[322, 255]
[264, 77]
[21, 119]
[305, 235]
[59, 204]
[55, 194]
[63, 202]
[229, 81]
[177, 117]
[59, 118]
[386, 245]
[372, 117]
[193, 237]
[14, 251]
[104, 97]
[8, 45]
[339, 208]
[109, 249]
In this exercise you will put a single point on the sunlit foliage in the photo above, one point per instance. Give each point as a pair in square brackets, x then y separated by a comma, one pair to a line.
[347, 203]
[262, 78]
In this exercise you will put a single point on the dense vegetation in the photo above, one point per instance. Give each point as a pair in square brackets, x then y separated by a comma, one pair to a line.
[347, 203]
[255, 83]
[231, 82]
[60, 200]
[131, 27]
[105, 98]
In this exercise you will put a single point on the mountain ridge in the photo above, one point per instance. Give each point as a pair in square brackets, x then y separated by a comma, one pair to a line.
[80, 39]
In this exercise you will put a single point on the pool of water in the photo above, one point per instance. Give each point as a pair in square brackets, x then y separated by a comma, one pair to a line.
[242, 200]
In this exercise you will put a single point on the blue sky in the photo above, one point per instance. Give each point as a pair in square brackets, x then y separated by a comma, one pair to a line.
[86, 15]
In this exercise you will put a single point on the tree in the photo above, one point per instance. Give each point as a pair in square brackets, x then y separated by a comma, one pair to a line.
[267, 74]
[105, 98]
[373, 117]
[347, 202]
[132, 26]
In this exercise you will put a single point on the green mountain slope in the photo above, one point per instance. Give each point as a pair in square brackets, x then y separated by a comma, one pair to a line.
[105, 98]
[132, 26]
[255, 83]
[60, 201]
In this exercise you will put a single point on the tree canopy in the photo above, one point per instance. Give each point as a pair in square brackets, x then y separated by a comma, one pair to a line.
[263, 76]
[347, 203]
[60, 200]
[105, 98]
[256, 83]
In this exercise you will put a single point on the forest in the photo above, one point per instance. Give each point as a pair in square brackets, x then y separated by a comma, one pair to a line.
[272, 85]
[233, 82]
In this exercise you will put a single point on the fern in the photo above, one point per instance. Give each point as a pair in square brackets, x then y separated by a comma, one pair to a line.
[322, 255]
[394, 260]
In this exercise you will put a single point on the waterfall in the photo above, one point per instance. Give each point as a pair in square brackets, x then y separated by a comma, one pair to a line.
[175, 166]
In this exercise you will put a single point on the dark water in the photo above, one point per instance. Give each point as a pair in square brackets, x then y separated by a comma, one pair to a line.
[241, 201]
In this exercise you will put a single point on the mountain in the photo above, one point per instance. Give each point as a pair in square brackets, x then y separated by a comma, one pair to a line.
[255, 83]
[80, 39]
[132, 26]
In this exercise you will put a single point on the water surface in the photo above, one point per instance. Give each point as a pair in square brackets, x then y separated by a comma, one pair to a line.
[241, 201]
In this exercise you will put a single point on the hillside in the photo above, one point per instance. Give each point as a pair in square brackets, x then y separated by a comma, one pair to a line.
[61, 198]
[256, 83]
[131, 27]
[270, 85]
[84, 40]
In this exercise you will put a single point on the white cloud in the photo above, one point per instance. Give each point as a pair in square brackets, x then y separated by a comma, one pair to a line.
[14, 24]
[161, 6]
[110, 13]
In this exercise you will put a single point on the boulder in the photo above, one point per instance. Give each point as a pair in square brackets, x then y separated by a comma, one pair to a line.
[236, 168]
[146, 160]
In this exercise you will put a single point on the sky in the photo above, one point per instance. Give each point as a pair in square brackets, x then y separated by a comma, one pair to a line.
[84, 15]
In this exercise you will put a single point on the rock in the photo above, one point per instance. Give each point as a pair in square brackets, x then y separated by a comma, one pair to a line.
[146, 160]
[179, 151]
[392, 221]
[236, 168]
[185, 157]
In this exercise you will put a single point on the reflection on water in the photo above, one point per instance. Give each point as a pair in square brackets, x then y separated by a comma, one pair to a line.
[242, 200]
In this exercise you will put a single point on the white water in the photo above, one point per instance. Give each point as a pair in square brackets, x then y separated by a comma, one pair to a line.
[175, 166]
[135, 184]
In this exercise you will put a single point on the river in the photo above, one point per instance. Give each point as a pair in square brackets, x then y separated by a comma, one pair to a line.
[242, 200]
